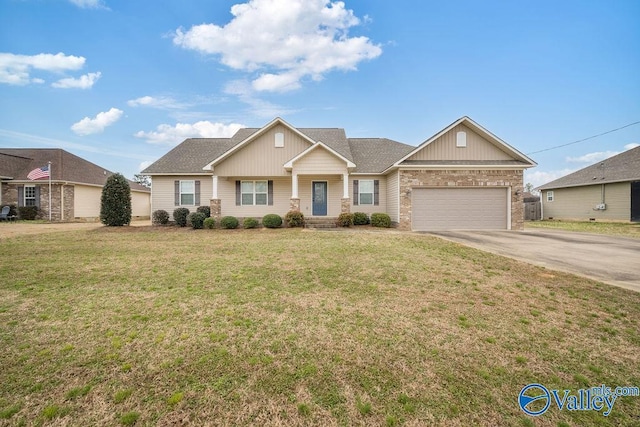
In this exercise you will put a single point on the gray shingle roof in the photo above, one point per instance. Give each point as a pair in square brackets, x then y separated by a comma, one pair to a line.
[192, 155]
[16, 163]
[375, 155]
[622, 167]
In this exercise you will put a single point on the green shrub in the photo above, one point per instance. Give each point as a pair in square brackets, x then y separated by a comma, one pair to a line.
[13, 210]
[209, 223]
[180, 216]
[250, 223]
[345, 220]
[380, 220]
[115, 204]
[160, 217]
[196, 219]
[360, 218]
[229, 222]
[27, 212]
[272, 221]
[206, 210]
[294, 219]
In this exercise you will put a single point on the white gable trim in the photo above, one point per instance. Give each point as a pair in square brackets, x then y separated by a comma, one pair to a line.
[289, 164]
[475, 126]
[262, 131]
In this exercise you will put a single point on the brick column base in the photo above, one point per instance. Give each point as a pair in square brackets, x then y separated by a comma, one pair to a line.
[216, 208]
[345, 205]
[294, 204]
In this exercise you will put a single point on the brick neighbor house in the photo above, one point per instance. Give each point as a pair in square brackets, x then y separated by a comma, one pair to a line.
[463, 177]
[76, 185]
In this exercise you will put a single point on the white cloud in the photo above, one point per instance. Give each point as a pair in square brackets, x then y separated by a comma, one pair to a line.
[592, 157]
[285, 41]
[162, 102]
[16, 69]
[89, 4]
[631, 146]
[167, 134]
[83, 82]
[258, 107]
[537, 177]
[143, 165]
[89, 126]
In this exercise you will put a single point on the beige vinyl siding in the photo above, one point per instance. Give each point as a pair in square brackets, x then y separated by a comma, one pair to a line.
[260, 157]
[579, 202]
[281, 198]
[319, 161]
[393, 197]
[382, 194]
[163, 192]
[334, 194]
[444, 148]
[86, 201]
[140, 204]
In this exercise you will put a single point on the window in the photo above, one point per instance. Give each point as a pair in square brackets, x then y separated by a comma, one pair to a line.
[187, 192]
[279, 140]
[461, 139]
[254, 192]
[365, 196]
[30, 195]
[549, 196]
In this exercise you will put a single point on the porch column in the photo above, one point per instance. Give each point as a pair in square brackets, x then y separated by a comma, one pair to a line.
[214, 194]
[345, 186]
[294, 186]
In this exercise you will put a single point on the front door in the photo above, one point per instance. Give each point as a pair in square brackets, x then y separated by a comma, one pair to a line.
[319, 195]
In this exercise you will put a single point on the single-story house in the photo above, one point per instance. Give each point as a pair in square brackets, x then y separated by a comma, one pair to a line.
[608, 190]
[463, 177]
[76, 185]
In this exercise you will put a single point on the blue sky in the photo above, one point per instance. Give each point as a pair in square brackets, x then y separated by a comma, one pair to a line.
[119, 83]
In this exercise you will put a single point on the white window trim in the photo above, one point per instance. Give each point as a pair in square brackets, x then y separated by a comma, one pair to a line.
[461, 139]
[193, 183]
[550, 196]
[254, 193]
[25, 198]
[373, 188]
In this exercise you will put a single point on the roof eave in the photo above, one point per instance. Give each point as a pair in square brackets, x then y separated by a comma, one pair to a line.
[289, 165]
[584, 184]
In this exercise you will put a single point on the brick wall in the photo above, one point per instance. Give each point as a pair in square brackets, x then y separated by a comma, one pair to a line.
[462, 178]
[58, 191]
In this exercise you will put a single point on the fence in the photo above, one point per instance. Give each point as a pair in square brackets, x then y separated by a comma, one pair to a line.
[532, 211]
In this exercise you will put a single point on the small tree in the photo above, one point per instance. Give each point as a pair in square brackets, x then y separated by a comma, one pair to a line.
[144, 180]
[115, 208]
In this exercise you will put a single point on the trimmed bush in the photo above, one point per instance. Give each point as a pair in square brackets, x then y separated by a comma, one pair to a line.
[360, 218]
[345, 220]
[229, 222]
[27, 212]
[160, 217]
[250, 223]
[272, 221]
[206, 210]
[115, 203]
[180, 216]
[294, 219]
[209, 223]
[380, 220]
[196, 219]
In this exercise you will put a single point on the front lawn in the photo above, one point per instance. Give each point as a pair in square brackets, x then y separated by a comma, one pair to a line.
[626, 229]
[168, 326]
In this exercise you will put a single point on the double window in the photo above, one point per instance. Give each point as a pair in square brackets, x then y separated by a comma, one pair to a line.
[254, 192]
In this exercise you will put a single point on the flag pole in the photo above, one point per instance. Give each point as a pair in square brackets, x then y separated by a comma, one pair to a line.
[49, 191]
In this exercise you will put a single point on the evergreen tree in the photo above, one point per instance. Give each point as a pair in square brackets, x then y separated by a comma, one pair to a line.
[115, 209]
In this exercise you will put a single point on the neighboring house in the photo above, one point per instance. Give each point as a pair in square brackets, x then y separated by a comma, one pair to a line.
[76, 185]
[607, 190]
[463, 177]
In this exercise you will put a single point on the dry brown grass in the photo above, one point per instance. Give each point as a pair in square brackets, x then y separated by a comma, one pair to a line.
[290, 327]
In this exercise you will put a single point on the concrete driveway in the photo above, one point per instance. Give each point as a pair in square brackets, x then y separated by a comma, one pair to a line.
[609, 259]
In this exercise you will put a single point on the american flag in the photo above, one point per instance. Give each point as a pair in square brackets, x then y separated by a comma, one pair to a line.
[38, 173]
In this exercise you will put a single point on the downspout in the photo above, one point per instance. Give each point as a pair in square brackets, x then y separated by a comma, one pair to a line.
[602, 193]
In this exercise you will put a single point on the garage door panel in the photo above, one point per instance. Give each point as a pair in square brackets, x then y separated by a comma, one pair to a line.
[459, 209]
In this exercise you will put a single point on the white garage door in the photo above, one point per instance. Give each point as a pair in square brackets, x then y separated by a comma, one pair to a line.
[459, 209]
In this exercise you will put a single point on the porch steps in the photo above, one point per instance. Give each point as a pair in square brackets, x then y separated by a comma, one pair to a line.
[324, 222]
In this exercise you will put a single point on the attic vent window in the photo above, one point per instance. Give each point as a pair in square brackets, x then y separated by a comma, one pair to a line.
[279, 140]
[461, 139]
